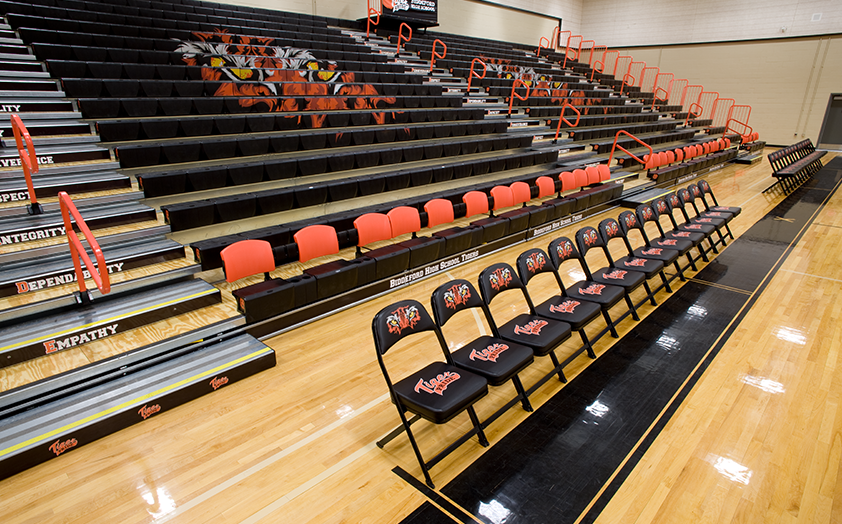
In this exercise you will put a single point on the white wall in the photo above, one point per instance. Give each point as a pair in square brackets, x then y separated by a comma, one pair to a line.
[649, 22]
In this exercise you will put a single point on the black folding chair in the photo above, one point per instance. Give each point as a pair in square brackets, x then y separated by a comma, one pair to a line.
[699, 195]
[437, 392]
[661, 208]
[491, 357]
[629, 222]
[686, 196]
[610, 230]
[577, 313]
[540, 334]
[587, 238]
[606, 296]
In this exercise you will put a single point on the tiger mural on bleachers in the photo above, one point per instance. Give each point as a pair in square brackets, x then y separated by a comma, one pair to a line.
[282, 76]
[541, 84]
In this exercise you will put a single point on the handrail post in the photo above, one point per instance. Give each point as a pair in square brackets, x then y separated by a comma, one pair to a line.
[562, 118]
[594, 70]
[28, 162]
[400, 35]
[567, 49]
[434, 54]
[615, 146]
[77, 250]
[517, 82]
[624, 83]
[473, 73]
[371, 11]
[690, 112]
[541, 45]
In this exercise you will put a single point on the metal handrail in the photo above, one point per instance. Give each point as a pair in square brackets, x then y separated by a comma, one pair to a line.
[474, 73]
[99, 274]
[371, 11]
[621, 148]
[561, 118]
[28, 161]
[434, 54]
[515, 94]
[400, 35]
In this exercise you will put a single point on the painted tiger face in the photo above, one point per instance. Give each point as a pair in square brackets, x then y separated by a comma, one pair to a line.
[500, 278]
[535, 262]
[405, 317]
[564, 249]
[457, 294]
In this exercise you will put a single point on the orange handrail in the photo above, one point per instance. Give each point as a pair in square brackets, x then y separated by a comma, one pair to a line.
[612, 52]
[617, 62]
[656, 98]
[579, 52]
[371, 11]
[677, 87]
[593, 53]
[514, 94]
[624, 83]
[434, 54]
[732, 119]
[637, 72]
[712, 105]
[716, 108]
[400, 35]
[684, 93]
[569, 34]
[541, 45]
[561, 118]
[690, 112]
[554, 38]
[77, 251]
[594, 69]
[643, 83]
[567, 49]
[621, 148]
[28, 161]
[473, 73]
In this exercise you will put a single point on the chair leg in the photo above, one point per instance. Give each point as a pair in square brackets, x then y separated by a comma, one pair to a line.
[679, 270]
[610, 323]
[649, 293]
[713, 244]
[524, 400]
[632, 309]
[417, 450]
[587, 343]
[395, 432]
[557, 366]
[477, 426]
[703, 253]
[666, 282]
[730, 233]
[691, 261]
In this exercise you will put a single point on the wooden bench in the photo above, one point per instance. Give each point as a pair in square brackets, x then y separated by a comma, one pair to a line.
[794, 164]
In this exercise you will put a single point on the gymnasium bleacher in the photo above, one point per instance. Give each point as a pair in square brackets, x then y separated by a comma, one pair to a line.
[179, 129]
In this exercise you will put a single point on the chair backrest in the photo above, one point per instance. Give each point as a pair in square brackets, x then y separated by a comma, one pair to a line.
[568, 181]
[593, 174]
[679, 154]
[404, 219]
[604, 172]
[586, 239]
[546, 186]
[439, 211]
[503, 197]
[399, 320]
[581, 177]
[372, 227]
[521, 193]
[316, 241]
[476, 203]
[497, 278]
[453, 297]
[562, 249]
[246, 258]
[609, 229]
[628, 221]
[533, 262]
[670, 156]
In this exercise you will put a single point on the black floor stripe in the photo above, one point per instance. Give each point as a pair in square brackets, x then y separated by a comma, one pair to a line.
[435, 497]
[554, 464]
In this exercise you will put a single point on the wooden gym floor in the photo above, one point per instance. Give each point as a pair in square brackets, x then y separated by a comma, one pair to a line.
[751, 432]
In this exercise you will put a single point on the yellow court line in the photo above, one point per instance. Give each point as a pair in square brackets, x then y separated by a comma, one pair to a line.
[137, 400]
[720, 286]
[105, 321]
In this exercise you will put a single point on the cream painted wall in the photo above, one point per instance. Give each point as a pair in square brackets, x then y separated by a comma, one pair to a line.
[649, 22]
[787, 82]
[467, 17]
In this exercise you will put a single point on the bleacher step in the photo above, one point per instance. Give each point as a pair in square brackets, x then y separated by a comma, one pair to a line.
[53, 333]
[14, 105]
[82, 137]
[5, 73]
[58, 154]
[10, 93]
[18, 229]
[12, 190]
[30, 275]
[72, 420]
[748, 159]
[48, 128]
[18, 66]
[54, 169]
[26, 85]
[17, 56]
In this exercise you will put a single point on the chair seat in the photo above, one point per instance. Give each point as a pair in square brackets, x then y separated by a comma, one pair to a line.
[724, 215]
[494, 359]
[540, 334]
[439, 391]
[681, 244]
[694, 227]
[648, 266]
[624, 278]
[667, 256]
[728, 209]
[575, 312]
[711, 220]
[604, 295]
[695, 238]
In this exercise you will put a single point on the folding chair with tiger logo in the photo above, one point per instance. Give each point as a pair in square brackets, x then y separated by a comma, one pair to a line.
[491, 357]
[577, 313]
[542, 335]
[610, 230]
[438, 392]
